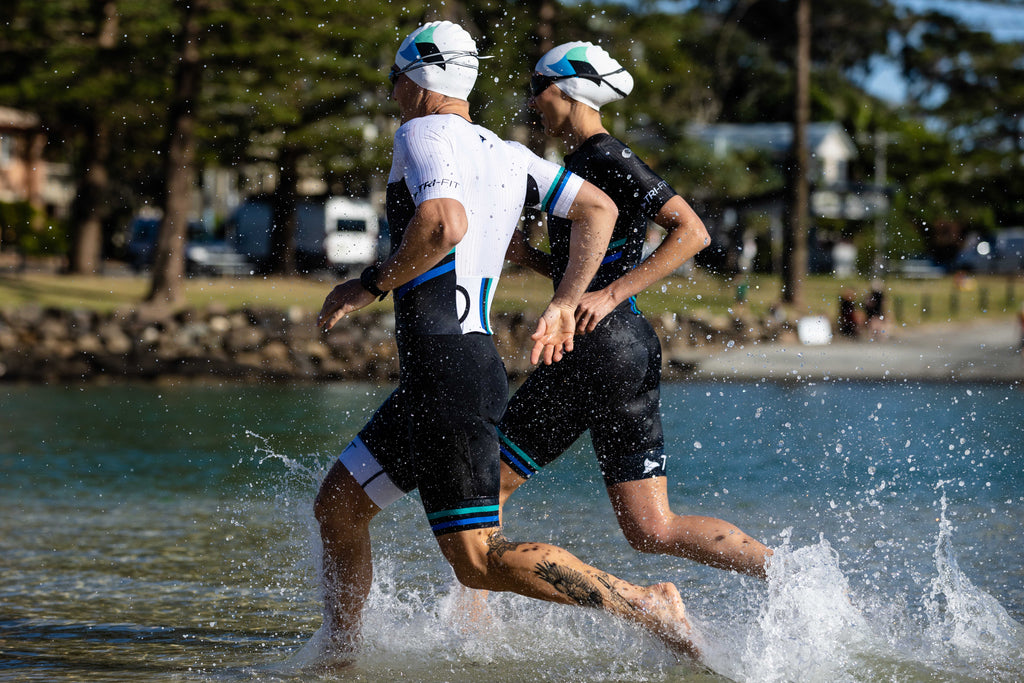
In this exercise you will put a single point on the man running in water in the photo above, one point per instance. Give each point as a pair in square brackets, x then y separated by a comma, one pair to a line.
[610, 383]
[455, 194]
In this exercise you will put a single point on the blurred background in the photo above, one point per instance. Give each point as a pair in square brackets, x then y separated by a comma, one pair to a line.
[853, 137]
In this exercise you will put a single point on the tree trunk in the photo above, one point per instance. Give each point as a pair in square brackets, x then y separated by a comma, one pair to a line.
[168, 287]
[794, 269]
[284, 225]
[88, 211]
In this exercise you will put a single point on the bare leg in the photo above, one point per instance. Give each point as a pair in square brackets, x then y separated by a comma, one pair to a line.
[650, 526]
[510, 481]
[344, 512]
[484, 559]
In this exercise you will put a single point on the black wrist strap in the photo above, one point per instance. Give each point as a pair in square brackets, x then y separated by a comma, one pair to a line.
[368, 281]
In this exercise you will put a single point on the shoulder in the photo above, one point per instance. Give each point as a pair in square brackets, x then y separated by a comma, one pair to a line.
[600, 153]
[517, 147]
[614, 156]
[614, 152]
[419, 128]
[523, 154]
[434, 128]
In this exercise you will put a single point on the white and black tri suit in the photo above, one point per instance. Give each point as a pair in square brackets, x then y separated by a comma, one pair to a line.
[610, 382]
[437, 429]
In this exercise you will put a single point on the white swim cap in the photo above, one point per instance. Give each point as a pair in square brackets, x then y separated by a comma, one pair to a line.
[586, 73]
[439, 56]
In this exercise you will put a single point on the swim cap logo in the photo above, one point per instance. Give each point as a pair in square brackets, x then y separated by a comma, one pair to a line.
[574, 63]
[424, 49]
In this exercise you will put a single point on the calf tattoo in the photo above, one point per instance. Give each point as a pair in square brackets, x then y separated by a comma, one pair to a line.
[570, 583]
[498, 545]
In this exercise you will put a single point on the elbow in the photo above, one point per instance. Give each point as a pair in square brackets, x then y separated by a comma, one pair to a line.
[603, 216]
[609, 208]
[693, 232]
[702, 236]
[449, 235]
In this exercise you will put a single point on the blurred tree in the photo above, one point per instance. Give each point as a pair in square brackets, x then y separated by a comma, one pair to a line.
[302, 84]
[752, 53]
[167, 287]
[969, 87]
[96, 82]
[794, 237]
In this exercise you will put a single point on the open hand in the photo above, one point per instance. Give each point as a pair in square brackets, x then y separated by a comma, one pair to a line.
[347, 297]
[554, 334]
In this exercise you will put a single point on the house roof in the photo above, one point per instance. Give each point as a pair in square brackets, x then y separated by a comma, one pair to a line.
[15, 118]
[773, 137]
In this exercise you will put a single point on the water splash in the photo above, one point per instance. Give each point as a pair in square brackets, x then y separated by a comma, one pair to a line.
[303, 474]
[810, 622]
[807, 627]
[813, 625]
[963, 620]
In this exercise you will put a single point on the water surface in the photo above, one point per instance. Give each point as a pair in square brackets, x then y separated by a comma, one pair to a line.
[166, 533]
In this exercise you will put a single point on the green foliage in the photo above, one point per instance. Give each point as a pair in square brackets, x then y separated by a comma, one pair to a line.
[307, 76]
[22, 226]
[53, 61]
[306, 79]
[971, 89]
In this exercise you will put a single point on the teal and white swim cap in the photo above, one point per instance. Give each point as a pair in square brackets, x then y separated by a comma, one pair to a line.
[586, 73]
[439, 56]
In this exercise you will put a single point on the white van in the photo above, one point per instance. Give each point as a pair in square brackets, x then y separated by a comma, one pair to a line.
[337, 232]
[352, 233]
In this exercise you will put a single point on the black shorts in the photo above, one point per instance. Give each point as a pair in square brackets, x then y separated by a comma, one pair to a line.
[436, 432]
[609, 384]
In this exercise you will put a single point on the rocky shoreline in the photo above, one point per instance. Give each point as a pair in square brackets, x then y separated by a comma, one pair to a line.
[46, 345]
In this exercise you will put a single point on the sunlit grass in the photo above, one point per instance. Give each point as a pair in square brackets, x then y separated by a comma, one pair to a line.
[908, 301]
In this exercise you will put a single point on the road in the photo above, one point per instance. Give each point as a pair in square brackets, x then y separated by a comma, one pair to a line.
[982, 351]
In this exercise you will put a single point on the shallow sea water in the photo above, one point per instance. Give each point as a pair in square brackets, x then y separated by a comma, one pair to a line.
[166, 534]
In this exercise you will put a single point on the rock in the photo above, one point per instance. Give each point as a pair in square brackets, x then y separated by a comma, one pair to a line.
[244, 339]
[260, 343]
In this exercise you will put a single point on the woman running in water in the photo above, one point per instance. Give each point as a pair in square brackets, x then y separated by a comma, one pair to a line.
[610, 382]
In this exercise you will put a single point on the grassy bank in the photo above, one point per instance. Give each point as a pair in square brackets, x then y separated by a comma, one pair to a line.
[909, 302]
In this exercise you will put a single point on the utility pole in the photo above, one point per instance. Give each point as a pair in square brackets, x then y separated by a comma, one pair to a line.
[794, 239]
[881, 139]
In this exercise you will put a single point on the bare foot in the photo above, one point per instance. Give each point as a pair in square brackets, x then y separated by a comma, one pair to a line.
[469, 609]
[323, 653]
[664, 615]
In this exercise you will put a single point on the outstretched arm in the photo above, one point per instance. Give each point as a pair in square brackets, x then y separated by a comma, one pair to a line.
[436, 227]
[686, 236]
[593, 216]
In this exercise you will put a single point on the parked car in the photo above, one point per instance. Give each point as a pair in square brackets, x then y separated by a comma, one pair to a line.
[1002, 254]
[142, 233]
[215, 257]
[919, 268]
[333, 232]
[203, 254]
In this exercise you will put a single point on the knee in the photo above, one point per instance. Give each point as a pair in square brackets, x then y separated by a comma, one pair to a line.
[470, 570]
[647, 535]
[469, 559]
[341, 503]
